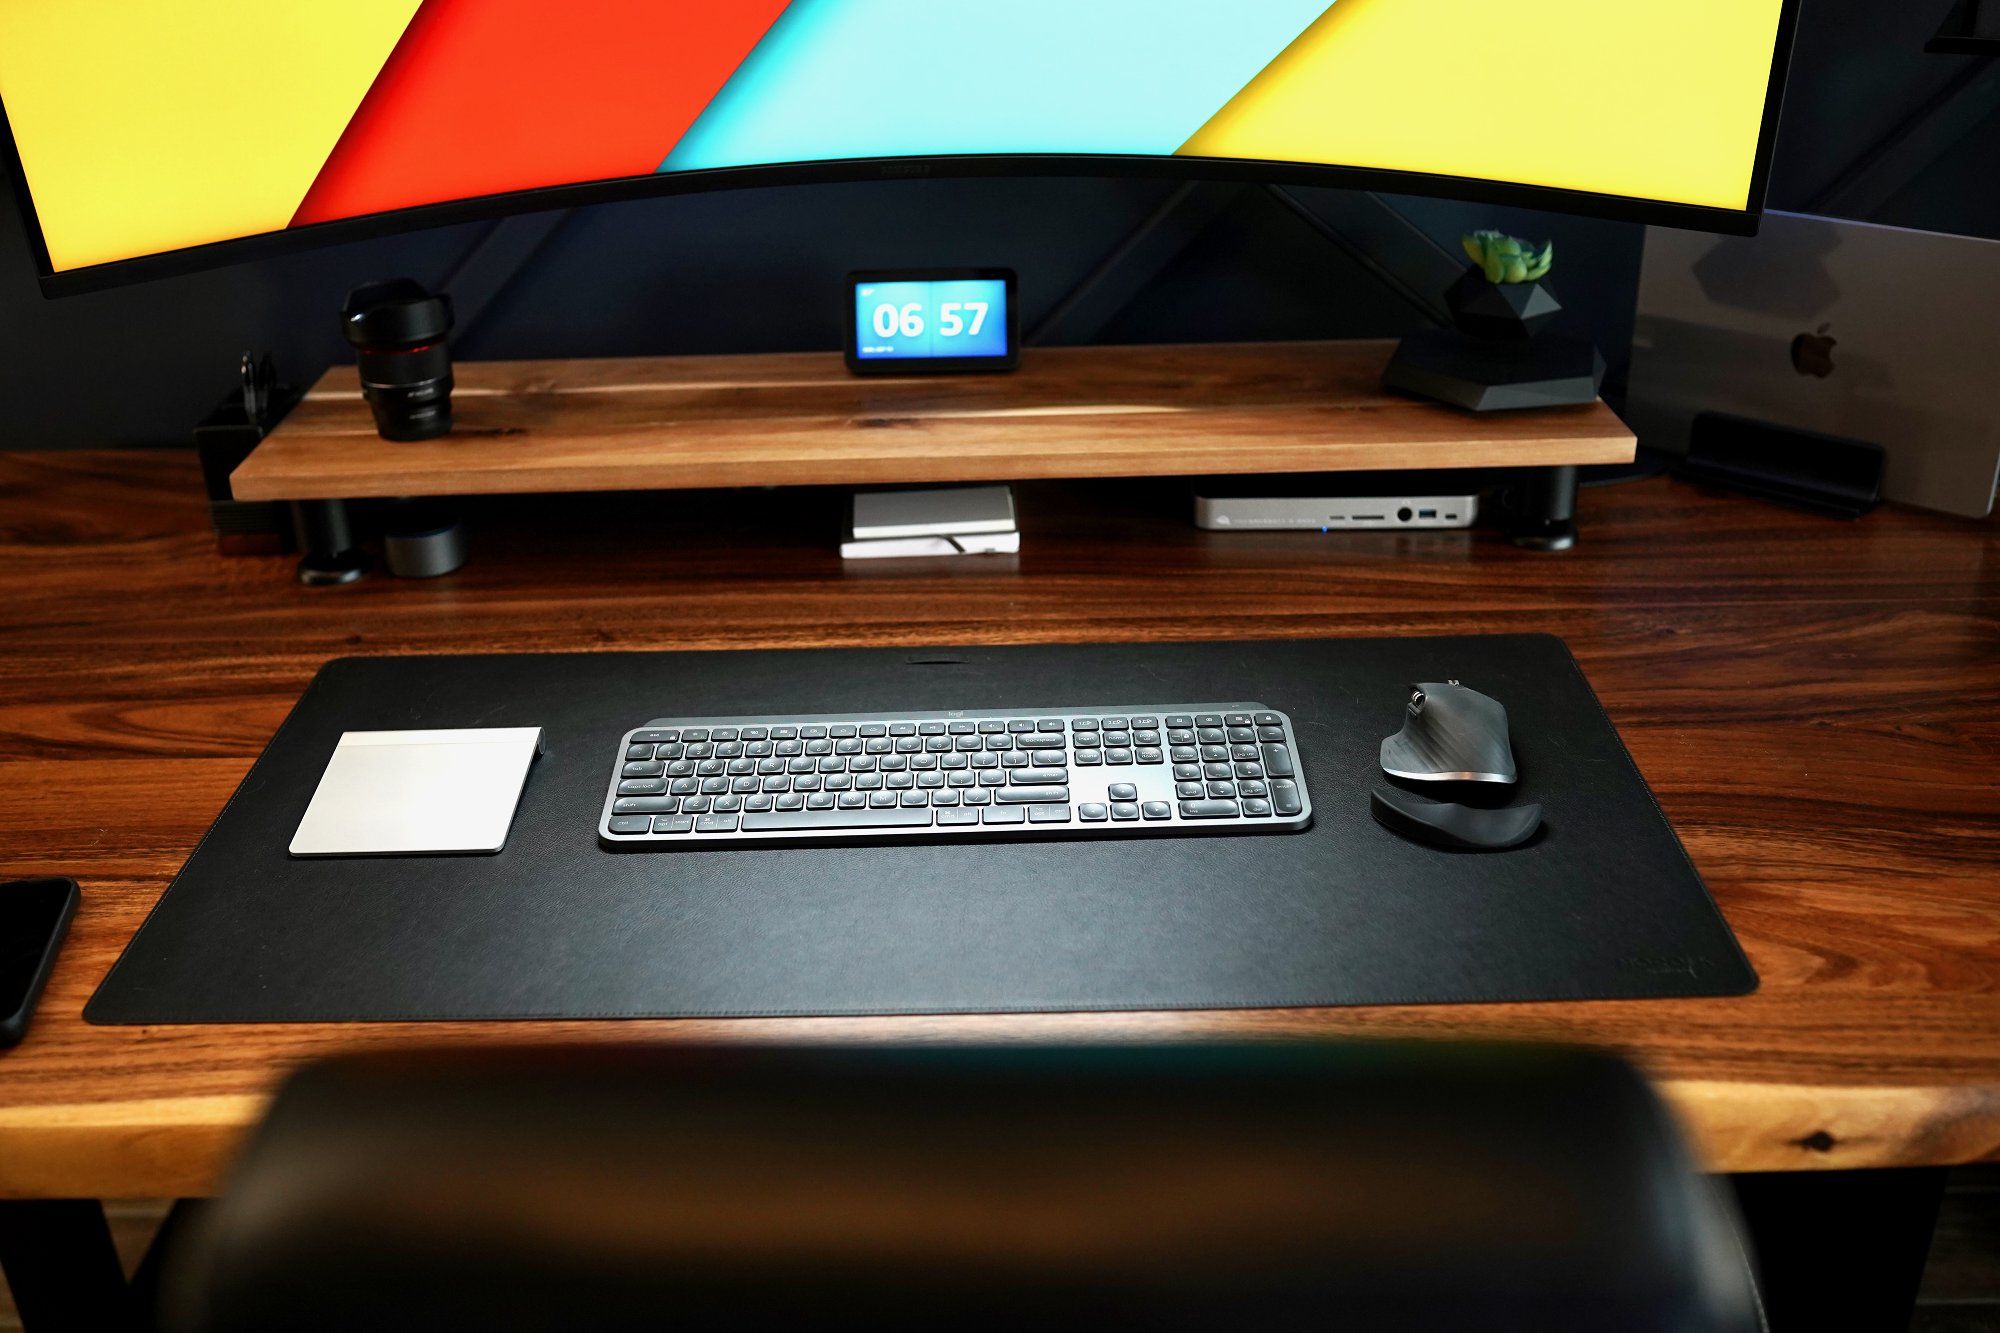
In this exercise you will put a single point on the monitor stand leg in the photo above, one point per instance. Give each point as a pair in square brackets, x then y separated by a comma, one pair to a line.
[330, 555]
[1541, 508]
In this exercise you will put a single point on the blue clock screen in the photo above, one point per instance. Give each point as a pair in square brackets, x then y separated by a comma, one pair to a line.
[910, 320]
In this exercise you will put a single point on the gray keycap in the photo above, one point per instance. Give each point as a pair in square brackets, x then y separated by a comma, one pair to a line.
[1089, 758]
[1256, 807]
[644, 805]
[631, 824]
[1090, 812]
[1031, 795]
[1278, 761]
[1157, 810]
[1006, 814]
[1209, 810]
[1124, 810]
[643, 787]
[1285, 797]
[1030, 776]
[674, 824]
[717, 823]
[1122, 791]
[1041, 740]
[1189, 791]
[1048, 814]
[959, 815]
[789, 820]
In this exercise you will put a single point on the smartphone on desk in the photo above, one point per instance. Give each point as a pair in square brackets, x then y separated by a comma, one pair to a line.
[34, 917]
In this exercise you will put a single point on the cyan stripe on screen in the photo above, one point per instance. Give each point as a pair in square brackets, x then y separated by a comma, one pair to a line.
[897, 78]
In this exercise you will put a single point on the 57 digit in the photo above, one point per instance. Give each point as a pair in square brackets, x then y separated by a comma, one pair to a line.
[951, 323]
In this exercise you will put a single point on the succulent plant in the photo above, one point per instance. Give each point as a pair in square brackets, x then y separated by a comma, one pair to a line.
[1505, 258]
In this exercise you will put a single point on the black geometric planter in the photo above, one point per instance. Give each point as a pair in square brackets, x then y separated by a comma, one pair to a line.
[1508, 310]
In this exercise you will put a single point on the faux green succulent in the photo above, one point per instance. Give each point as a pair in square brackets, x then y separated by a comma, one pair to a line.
[1507, 258]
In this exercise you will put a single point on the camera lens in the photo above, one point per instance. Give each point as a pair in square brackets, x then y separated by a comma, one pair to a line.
[398, 331]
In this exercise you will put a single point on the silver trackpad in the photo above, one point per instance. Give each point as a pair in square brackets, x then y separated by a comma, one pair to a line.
[389, 793]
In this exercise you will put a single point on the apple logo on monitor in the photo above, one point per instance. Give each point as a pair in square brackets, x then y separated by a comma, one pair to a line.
[1812, 353]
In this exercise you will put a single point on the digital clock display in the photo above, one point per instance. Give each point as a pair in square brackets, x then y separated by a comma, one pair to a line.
[932, 321]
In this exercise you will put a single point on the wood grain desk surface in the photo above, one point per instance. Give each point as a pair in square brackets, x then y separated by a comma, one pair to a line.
[1816, 703]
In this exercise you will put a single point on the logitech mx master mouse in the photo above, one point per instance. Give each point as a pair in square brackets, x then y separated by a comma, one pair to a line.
[1450, 734]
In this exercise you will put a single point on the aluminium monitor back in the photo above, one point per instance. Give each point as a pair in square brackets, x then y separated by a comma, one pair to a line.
[1872, 333]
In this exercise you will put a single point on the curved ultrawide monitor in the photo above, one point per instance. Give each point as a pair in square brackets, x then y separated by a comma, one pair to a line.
[154, 134]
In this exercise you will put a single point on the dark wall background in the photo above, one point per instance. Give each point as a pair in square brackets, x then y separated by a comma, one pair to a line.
[1873, 128]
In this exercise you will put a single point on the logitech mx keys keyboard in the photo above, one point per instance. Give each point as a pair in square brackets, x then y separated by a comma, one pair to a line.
[1033, 773]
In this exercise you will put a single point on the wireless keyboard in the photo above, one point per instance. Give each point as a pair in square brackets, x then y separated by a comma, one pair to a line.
[1018, 773]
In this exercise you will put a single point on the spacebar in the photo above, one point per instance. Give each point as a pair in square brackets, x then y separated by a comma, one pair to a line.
[781, 820]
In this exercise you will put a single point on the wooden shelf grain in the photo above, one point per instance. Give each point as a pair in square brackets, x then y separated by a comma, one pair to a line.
[1814, 702]
[669, 423]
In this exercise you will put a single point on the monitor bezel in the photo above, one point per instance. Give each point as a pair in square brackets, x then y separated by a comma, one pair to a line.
[1469, 189]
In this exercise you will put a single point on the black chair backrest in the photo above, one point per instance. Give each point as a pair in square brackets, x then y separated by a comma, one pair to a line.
[1353, 1185]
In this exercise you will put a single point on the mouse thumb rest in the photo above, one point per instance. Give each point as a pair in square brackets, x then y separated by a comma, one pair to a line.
[1456, 827]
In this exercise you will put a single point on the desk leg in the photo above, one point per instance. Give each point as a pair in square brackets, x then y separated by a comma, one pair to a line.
[328, 555]
[1541, 508]
[1841, 1249]
[61, 1266]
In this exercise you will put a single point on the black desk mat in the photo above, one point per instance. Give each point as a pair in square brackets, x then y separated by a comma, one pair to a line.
[1603, 905]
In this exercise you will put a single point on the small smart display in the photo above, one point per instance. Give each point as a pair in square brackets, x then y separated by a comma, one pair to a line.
[930, 320]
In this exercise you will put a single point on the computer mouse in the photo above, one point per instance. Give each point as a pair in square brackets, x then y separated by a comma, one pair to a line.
[1450, 734]
[1460, 828]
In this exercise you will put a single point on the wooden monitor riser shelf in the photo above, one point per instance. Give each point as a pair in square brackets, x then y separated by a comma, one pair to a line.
[668, 423]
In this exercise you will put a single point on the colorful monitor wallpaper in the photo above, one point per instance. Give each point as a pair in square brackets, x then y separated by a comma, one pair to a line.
[146, 126]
